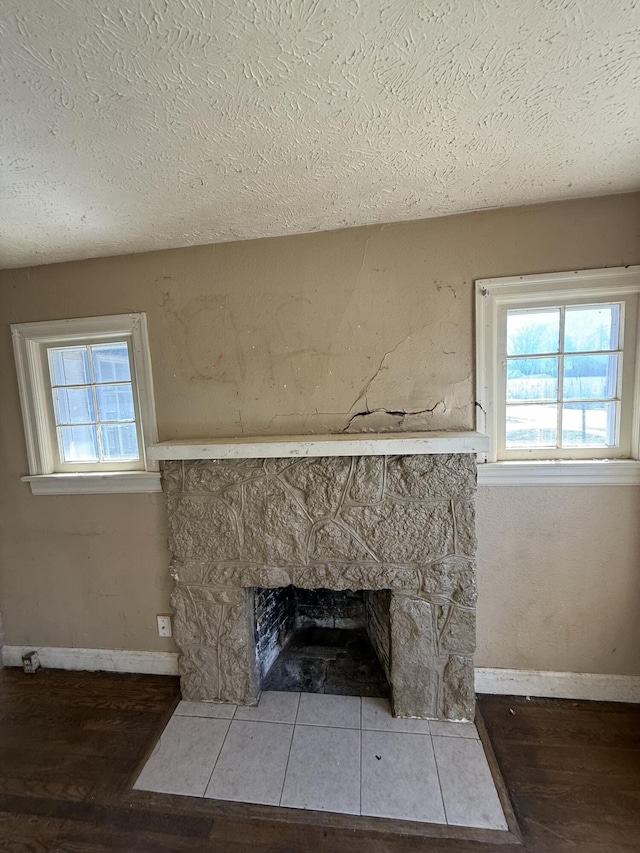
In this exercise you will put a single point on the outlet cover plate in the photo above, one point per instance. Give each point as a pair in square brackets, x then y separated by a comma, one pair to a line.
[164, 625]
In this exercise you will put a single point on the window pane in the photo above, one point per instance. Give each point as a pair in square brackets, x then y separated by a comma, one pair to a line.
[588, 424]
[533, 332]
[78, 443]
[73, 405]
[591, 327]
[532, 379]
[590, 377]
[119, 441]
[69, 365]
[531, 426]
[115, 402]
[111, 363]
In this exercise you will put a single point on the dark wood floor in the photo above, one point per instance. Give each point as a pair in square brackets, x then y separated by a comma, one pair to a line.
[71, 742]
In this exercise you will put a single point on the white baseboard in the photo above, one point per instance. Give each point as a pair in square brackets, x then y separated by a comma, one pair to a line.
[107, 660]
[559, 685]
[517, 682]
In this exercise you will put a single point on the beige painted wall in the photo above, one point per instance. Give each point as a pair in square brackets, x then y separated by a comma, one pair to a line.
[559, 578]
[299, 334]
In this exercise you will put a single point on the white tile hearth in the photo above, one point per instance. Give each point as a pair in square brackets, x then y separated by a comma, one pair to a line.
[399, 777]
[324, 770]
[205, 709]
[324, 709]
[184, 757]
[376, 715]
[469, 799]
[327, 753]
[252, 763]
[273, 707]
[445, 729]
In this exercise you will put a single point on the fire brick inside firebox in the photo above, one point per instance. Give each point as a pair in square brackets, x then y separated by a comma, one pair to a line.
[323, 641]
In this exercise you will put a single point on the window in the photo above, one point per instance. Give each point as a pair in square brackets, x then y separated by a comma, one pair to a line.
[557, 368]
[87, 403]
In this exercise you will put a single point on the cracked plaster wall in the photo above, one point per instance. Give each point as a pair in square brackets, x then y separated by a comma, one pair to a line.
[304, 334]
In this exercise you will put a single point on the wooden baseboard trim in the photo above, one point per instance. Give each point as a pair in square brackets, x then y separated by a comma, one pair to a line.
[106, 660]
[559, 685]
[517, 682]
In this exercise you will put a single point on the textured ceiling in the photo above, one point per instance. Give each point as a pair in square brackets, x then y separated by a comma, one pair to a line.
[159, 123]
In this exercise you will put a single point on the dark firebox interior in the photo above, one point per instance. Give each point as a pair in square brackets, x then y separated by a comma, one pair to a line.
[322, 640]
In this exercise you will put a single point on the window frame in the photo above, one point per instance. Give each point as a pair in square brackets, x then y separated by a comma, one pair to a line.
[60, 466]
[31, 342]
[493, 297]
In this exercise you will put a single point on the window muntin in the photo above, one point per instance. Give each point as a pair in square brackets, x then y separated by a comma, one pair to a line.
[558, 374]
[94, 406]
[563, 376]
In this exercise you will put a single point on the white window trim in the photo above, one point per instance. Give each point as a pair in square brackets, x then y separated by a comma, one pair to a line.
[28, 341]
[495, 292]
[561, 472]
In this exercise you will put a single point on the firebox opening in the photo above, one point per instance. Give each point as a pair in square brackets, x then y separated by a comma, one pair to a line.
[323, 640]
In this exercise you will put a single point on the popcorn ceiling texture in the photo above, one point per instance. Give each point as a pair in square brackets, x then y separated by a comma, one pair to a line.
[400, 524]
[144, 125]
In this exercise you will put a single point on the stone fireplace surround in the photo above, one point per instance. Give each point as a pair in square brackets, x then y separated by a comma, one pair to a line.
[392, 515]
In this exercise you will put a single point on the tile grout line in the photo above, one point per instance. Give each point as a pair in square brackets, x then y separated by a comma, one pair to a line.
[224, 740]
[435, 761]
[201, 716]
[325, 725]
[295, 719]
[398, 731]
[360, 807]
[286, 769]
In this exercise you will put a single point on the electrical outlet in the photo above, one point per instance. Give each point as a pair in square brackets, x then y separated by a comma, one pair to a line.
[31, 662]
[164, 625]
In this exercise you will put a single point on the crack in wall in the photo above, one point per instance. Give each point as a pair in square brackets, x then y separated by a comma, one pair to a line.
[400, 413]
[383, 366]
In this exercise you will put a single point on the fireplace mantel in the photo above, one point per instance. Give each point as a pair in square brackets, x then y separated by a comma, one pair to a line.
[359, 444]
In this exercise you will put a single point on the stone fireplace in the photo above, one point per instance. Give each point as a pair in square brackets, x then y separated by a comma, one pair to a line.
[397, 528]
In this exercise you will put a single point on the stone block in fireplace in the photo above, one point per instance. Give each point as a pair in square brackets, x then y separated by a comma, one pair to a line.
[400, 527]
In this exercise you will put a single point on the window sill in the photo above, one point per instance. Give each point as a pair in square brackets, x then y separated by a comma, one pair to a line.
[565, 472]
[114, 482]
